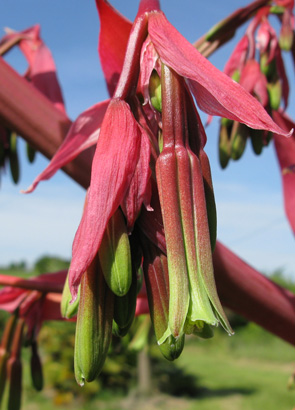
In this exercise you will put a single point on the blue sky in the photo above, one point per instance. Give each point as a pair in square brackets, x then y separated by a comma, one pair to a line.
[251, 218]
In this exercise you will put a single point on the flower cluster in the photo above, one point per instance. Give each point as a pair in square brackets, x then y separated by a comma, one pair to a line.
[150, 205]
[257, 64]
[41, 73]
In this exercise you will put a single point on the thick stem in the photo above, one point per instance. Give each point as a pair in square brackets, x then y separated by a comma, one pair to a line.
[225, 29]
[31, 284]
[5, 47]
[147, 6]
[25, 110]
[252, 295]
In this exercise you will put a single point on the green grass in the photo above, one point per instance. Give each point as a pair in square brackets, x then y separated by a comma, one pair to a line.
[247, 371]
[17, 272]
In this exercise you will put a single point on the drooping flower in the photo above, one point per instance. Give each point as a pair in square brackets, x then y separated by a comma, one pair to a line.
[213, 90]
[41, 71]
[114, 165]
[113, 39]
[142, 155]
[265, 78]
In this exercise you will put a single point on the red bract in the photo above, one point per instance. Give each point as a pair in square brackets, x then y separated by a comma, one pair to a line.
[238, 57]
[120, 147]
[41, 71]
[285, 149]
[215, 93]
[254, 81]
[83, 134]
[114, 34]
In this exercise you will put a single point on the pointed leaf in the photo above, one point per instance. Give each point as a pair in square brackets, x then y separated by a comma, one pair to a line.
[215, 92]
[137, 192]
[113, 38]
[113, 167]
[238, 57]
[254, 81]
[83, 134]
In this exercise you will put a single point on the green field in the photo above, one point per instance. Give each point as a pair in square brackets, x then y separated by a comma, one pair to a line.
[247, 371]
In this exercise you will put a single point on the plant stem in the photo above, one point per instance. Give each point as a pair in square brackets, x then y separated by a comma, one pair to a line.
[223, 31]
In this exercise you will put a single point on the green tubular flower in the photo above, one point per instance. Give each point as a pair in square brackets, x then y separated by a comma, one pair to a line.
[68, 309]
[224, 146]
[114, 255]
[94, 324]
[157, 286]
[155, 91]
[193, 297]
[238, 138]
[36, 368]
[124, 309]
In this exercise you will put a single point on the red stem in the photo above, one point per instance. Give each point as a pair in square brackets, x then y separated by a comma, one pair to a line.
[9, 44]
[25, 110]
[31, 284]
[225, 29]
[147, 6]
[247, 292]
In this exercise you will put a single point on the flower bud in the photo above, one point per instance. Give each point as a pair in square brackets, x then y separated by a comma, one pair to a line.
[155, 91]
[124, 309]
[36, 368]
[94, 324]
[114, 255]
[224, 146]
[68, 310]
[238, 140]
[31, 153]
[275, 94]
[13, 158]
[157, 285]
[256, 140]
[268, 68]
